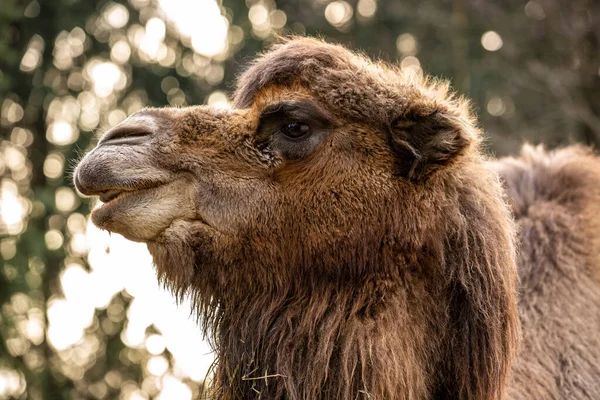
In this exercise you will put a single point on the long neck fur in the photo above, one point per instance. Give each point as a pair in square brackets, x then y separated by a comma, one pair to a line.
[329, 342]
[425, 307]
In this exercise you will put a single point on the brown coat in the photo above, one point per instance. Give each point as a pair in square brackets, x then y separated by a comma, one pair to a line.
[339, 231]
[555, 199]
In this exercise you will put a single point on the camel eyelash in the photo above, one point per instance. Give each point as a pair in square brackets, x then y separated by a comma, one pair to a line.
[296, 111]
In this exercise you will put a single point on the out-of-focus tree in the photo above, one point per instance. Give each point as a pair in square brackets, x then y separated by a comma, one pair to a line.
[69, 67]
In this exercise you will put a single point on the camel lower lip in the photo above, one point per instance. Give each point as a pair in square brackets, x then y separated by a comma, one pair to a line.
[142, 214]
[114, 210]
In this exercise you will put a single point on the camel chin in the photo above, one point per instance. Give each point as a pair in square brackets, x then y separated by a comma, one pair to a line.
[142, 215]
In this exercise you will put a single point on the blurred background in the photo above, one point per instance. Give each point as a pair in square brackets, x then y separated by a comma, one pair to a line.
[81, 313]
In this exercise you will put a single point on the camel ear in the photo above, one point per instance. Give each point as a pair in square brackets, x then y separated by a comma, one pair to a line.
[424, 143]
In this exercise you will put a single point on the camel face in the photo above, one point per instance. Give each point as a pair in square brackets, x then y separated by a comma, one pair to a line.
[282, 157]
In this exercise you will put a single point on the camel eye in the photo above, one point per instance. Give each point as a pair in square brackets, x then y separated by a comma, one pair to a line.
[292, 129]
[296, 130]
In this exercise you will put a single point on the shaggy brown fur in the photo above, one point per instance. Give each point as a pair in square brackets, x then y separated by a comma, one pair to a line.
[556, 201]
[372, 257]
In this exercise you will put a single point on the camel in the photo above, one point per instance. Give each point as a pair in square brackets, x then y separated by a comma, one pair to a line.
[343, 235]
[555, 199]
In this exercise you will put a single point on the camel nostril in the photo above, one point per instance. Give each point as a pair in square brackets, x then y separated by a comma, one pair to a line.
[125, 135]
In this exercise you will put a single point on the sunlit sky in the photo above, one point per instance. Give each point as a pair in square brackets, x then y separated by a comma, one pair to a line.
[114, 263]
[117, 264]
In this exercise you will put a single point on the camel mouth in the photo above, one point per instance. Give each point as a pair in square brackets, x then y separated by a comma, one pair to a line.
[117, 201]
[109, 195]
[118, 207]
[115, 196]
[143, 213]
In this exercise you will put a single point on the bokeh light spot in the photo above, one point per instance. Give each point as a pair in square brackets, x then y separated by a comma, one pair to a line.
[491, 41]
[54, 239]
[106, 76]
[11, 208]
[411, 63]
[496, 106]
[66, 199]
[366, 8]
[32, 10]
[120, 52]
[32, 58]
[61, 133]
[218, 99]
[534, 10]
[12, 383]
[21, 137]
[200, 22]
[338, 13]
[12, 111]
[406, 44]
[278, 19]
[116, 15]
[155, 344]
[157, 365]
[116, 116]
[258, 14]
[8, 248]
[53, 165]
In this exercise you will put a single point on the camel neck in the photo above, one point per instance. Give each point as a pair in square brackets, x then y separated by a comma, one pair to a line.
[332, 345]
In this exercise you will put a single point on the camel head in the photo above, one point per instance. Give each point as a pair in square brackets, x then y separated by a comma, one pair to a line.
[313, 155]
[333, 175]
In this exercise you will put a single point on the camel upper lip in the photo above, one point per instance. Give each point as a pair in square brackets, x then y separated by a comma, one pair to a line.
[108, 191]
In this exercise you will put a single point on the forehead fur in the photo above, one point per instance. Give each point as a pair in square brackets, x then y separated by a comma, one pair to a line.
[350, 83]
